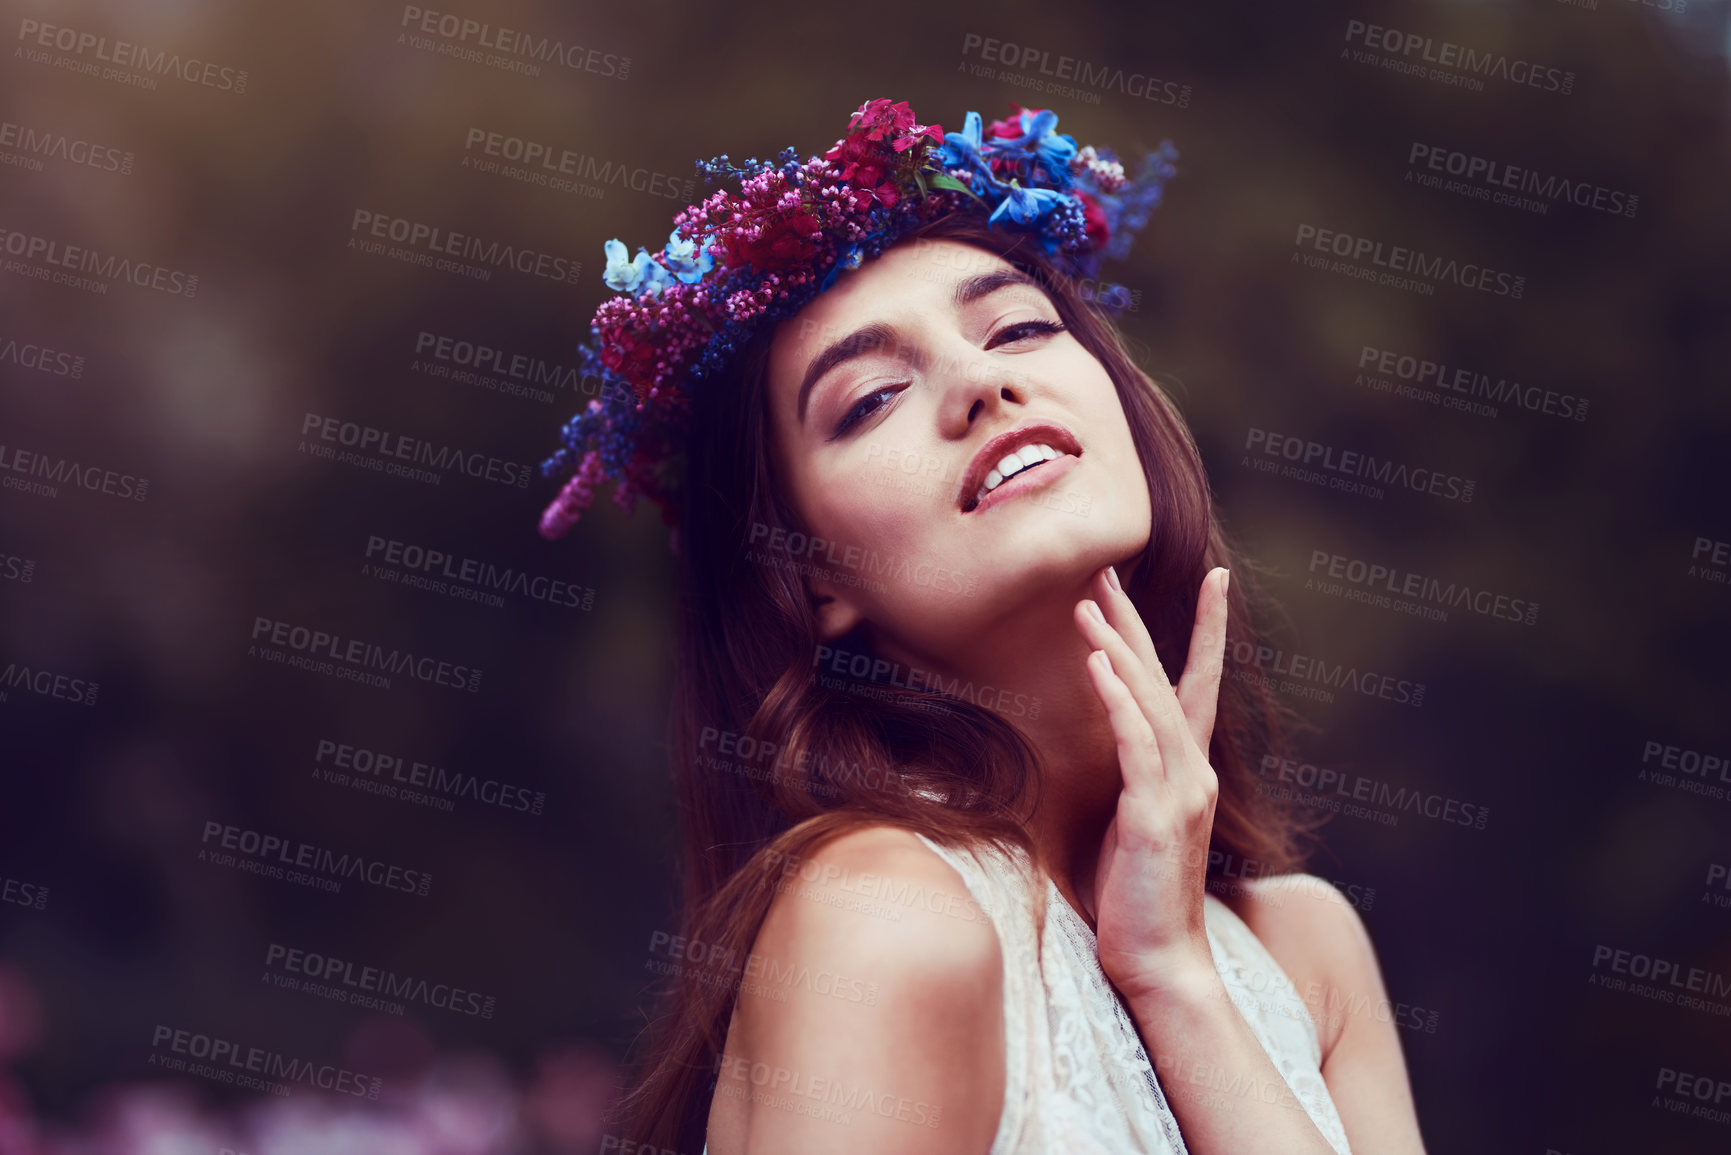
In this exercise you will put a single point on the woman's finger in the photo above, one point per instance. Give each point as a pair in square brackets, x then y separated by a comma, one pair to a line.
[1138, 748]
[1123, 616]
[1148, 689]
[1199, 686]
[1121, 613]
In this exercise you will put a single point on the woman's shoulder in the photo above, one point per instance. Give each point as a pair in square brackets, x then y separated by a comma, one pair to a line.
[882, 895]
[870, 996]
[1314, 931]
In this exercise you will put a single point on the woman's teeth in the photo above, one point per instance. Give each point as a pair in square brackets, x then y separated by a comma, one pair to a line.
[1014, 463]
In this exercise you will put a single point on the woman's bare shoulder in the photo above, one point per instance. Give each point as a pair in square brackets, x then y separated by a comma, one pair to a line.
[881, 899]
[870, 1002]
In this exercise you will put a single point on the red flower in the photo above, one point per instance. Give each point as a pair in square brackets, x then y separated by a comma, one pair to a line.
[1097, 231]
[781, 241]
[1010, 127]
[912, 137]
[879, 119]
[631, 358]
[861, 158]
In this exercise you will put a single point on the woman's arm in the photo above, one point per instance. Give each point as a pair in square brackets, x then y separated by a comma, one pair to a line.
[869, 1018]
[1225, 1090]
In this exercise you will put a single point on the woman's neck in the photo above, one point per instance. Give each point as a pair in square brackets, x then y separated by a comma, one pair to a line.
[1042, 657]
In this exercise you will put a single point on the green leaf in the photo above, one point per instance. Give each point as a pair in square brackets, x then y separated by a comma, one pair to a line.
[945, 180]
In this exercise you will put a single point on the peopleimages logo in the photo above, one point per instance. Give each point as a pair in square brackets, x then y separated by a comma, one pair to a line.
[854, 565]
[485, 358]
[1398, 266]
[355, 655]
[1348, 470]
[54, 472]
[31, 146]
[1671, 982]
[1681, 768]
[1327, 785]
[1508, 184]
[1459, 388]
[268, 854]
[546, 164]
[227, 1061]
[1709, 560]
[397, 775]
[1389, 587]
[1066, 76]
[1700, 1096]
[48, 684]
[467, 578]
[759, 974]
[124, 57]
[843, 669]
[426, 244]
[82, 267]
[30, 355]
[1443, 60]
[398, 454]
[372, 988]
[1307, 676]
[29, 895]
[504, 48]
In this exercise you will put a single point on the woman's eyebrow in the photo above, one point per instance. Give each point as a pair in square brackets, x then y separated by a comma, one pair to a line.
[858, 343]
[972, 289]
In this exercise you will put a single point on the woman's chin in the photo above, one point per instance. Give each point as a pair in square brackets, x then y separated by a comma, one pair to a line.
[1075, 526]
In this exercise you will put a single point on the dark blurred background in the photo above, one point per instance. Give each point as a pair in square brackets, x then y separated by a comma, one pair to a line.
[239, 143]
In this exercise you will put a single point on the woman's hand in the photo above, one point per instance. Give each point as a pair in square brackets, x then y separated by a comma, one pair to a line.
[1149, 884]
[1149, 888]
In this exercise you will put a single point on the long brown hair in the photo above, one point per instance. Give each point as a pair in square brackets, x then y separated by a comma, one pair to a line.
[807, 759]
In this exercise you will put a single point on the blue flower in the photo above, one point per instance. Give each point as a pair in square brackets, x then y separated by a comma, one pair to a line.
[853, 258]
[685, 260]
[653, 276]
[962, 149]
[1040, 143]
[641, 274]
[1026, 205]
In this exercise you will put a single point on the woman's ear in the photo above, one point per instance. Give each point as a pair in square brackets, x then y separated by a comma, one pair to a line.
[837, 614]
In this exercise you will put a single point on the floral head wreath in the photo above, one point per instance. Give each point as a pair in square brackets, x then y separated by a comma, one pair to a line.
[739, 260]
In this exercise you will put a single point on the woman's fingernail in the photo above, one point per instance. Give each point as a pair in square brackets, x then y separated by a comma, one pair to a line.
[1225, 580]
[1093, 609]
[1112, 578]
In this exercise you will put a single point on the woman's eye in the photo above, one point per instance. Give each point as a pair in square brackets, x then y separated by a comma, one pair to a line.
[1023, 329]
[871, 402]
[862, 409]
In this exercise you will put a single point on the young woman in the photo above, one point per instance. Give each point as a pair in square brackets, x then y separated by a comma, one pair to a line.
[948, 819]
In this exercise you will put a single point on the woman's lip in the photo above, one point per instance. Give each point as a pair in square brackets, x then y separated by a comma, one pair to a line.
[1031, 432]
[1028, 480]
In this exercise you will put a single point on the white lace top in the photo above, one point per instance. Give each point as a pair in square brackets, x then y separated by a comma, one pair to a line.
[1077, 1078]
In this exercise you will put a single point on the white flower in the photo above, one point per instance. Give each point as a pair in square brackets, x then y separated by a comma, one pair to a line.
[622, 273]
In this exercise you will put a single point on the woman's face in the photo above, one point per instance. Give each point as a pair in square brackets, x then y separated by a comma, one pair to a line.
[887, 395]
